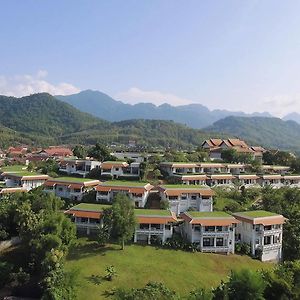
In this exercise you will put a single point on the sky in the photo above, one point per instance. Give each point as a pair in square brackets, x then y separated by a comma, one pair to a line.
[236, 55]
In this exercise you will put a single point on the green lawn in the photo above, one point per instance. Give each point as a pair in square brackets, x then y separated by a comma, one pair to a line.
[125, 183]
[137, 264]
[257, 214]
[14, 168]
[73, 179]
[212, 214]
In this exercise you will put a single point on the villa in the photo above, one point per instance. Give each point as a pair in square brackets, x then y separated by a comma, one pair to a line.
[79, 167]
[117, 169]
[291, 180]
[70, 188]
[220, 179]
[184, 197]
[247, 180]
[25, 180]
[211, 231]
[273, 180]
[152, 224]
[172, 168]
[262, 230]
[137, 191]
[191, 179]
[272, 169]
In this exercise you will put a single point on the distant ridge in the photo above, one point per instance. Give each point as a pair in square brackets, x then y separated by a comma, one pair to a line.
[269, 132]
[107, 108]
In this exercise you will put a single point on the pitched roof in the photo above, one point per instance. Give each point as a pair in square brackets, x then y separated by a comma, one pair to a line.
[260, 217]
[12, 190]
[110, 164]
[214, 218]
[176, 190]
[58, 151]
[127, 186]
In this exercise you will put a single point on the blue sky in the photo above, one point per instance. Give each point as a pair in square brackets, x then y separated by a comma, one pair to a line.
[238, 55]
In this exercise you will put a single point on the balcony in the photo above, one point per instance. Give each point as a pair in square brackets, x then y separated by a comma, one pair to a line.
[271, 247]
[214, 233]
[215, 249]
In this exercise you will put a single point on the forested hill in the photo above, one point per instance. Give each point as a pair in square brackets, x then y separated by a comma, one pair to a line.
[105, 107]
[269, 132]
[42, 119]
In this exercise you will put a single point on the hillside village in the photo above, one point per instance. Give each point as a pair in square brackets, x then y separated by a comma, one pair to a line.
[185, 188]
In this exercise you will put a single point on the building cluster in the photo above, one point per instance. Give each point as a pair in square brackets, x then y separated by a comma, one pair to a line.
[220, 174]
[189, 197]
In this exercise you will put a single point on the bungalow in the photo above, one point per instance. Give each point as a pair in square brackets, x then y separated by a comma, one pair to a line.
[116, 169]
[212, 168]
[220, 179]
[272, 169]
[152, 223]
[137, 191]
[134, 156]
[272, 180]
[247, 180]
[24, 180]
[70, 188]
[291, 180]
[183, 197]
[235, 168]
[262, 230]
[211, 231]
[172, 168]
[191, 179]
[79, 167]
[8, 191]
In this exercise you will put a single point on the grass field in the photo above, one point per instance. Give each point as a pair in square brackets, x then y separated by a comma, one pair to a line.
[137, 264]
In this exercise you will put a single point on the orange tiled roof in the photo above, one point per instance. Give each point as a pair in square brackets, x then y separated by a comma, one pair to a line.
[270, 220]
[84, 214]
[109, 165]
[178, 192]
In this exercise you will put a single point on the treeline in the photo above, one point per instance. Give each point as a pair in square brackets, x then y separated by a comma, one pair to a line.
[35, 268]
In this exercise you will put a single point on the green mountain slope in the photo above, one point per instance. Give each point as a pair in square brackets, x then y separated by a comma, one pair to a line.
[269, 132]
[44, 115]
[41, 119]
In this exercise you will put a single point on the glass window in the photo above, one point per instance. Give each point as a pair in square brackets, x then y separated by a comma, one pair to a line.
[219, 228]
[197, 228]
[220, 242]
[208, 242]
[267, 240]
[209, 228]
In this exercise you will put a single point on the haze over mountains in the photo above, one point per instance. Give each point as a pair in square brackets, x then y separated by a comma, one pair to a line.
[105, 107]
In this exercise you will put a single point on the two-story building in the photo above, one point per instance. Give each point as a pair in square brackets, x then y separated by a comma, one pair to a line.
[172, 168]
[262, 230]
[119, 169]
[151, 223]
[210, 231]
[25, 180]
[79, 167]
[70, 188]
[184, 197]
[138, 192]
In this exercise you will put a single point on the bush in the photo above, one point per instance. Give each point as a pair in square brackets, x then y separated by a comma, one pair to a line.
[5, 270]
[243, 248]
[110, 273]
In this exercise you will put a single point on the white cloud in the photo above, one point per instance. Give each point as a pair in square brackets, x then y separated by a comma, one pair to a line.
[136, 95]
[280, 105]
[23, 85]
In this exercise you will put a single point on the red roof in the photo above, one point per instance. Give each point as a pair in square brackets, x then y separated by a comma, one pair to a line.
[58, 151]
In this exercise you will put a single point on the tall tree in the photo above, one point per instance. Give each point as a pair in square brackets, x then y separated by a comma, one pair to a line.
[80, 151]
[124, 220]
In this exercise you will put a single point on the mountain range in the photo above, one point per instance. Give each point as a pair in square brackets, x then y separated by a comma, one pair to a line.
[107, 108]
[42, 119]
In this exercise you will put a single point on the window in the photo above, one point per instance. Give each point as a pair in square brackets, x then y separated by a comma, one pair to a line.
[155, 226]
[144, 226]
[194, 197]
[267, 240]
[84, 220]
[219, 228]
[117, 169]
[183, 196]
[60, 189]
[219, 242]
[209, 228]
[167, 227]
[276, 239]
[208, 242]
[269, 227]
[277, 226]
[197, 228]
